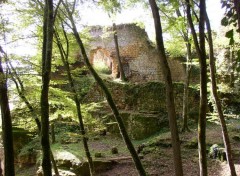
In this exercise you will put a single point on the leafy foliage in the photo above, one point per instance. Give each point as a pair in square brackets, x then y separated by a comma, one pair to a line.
[230, 17]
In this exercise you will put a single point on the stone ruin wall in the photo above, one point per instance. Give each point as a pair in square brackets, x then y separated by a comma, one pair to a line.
[139, 57]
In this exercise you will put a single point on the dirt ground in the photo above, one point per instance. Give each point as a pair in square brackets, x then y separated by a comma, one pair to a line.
[157, 159]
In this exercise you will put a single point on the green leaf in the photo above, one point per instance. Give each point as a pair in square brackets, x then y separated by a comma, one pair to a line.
[238, 56]
[224, 21]
[231, 41]
[238, 69]
[229, 34]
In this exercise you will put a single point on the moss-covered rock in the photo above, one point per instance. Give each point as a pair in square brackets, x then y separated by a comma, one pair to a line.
[138, 125]
[99, 165]
[192, 144]
[142, 106]
[146, 97]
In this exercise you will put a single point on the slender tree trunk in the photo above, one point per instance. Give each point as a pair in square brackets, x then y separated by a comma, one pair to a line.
[54, 164]
[186, 89]
[120, 65]
[203, 93]
[46, 71]
[53, 133]
[169, 90]
[187, 78]
[231, 67]
[64, 57]
[200, 48]
[21, 90]
[109, 98]
[6, 125]
[226, 139]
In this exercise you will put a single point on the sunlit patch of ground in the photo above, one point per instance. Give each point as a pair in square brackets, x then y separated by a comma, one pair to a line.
[157, 160]
[225, 170]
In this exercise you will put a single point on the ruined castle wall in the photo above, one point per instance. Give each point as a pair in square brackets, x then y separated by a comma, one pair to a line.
[136, 51]
[177, 69]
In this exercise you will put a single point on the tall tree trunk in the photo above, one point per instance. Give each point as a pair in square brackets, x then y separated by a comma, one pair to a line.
[120, 65]
[109, 98]
[46, 71]
[231, 67]
[226, 139]
[169, 90]
[203, 93]
[200, 48]
[186, 89]
[6, 125]
[187, 78]
[64, 57]
[21, 92]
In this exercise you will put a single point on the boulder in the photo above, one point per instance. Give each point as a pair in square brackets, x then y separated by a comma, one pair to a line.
[99, 165]
[139, 125]
[64, 163]
[70, 162]
[61, 172]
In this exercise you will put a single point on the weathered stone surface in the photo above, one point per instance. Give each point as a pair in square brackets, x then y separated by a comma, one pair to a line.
[99, 165]
[65, 159]
[138, 125]
[64, 163]
[146, 97]
[61, 172]
[20, 138]
[27, 159]
[68, 161]
[142, 106]
[139, 58]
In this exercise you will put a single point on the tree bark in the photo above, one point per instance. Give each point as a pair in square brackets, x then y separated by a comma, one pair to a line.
[226, 139]
[64, 57]
[187, 78]
[200, 48]
[169, 90]
[53, 133]
[21, 93]
[231, 67]
[120, 65]
[203, 93]
[46, 71]
[109, 98]
[7, 136]
[186, 89]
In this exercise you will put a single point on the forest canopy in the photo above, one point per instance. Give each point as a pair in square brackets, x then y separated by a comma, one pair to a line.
[147, 76]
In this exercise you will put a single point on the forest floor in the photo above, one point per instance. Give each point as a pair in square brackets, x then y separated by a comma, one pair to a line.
[158, 159]
[157, 154]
